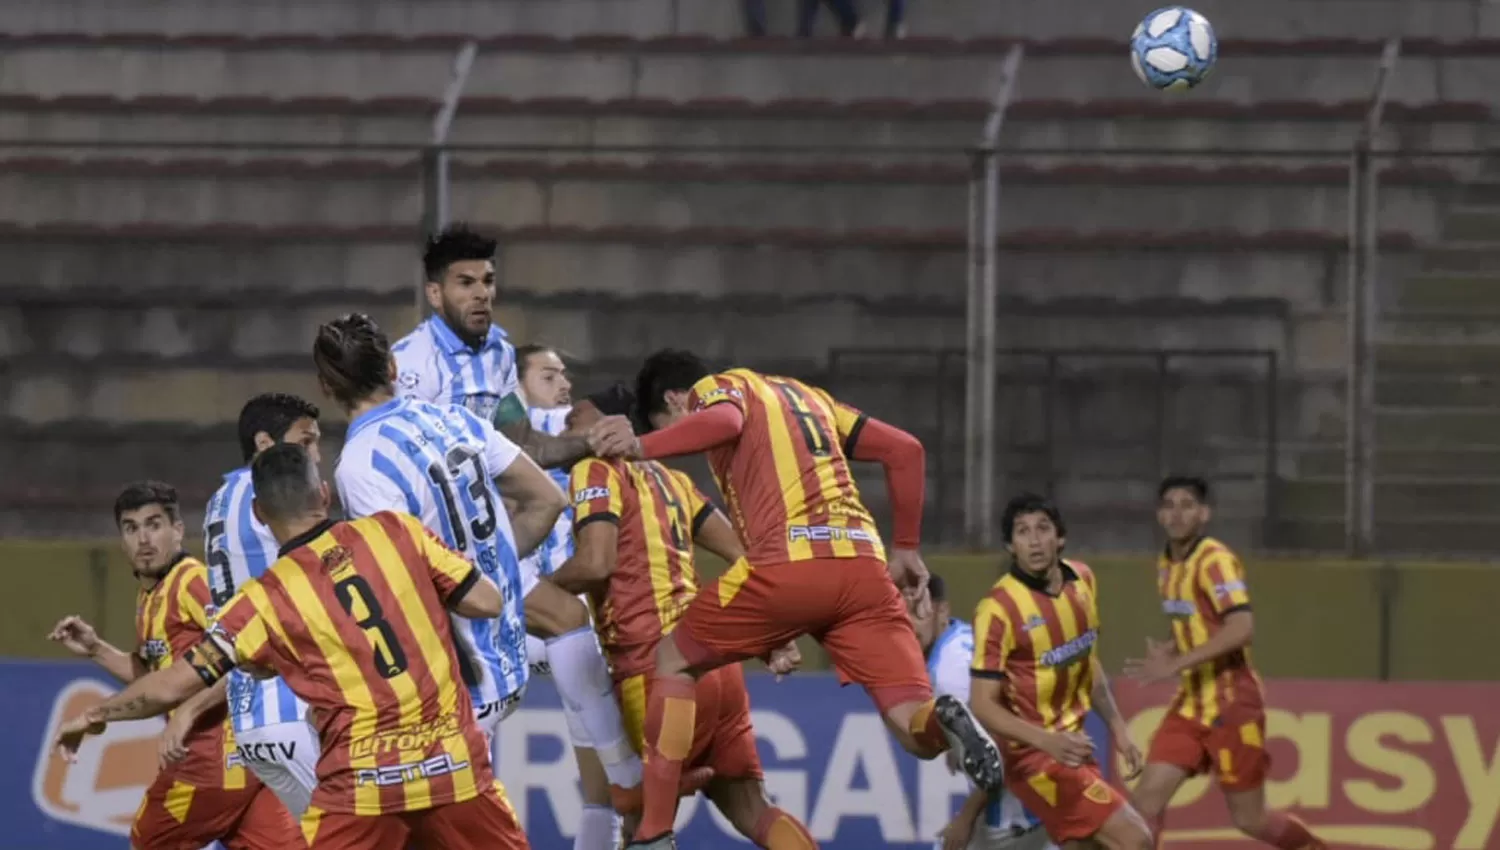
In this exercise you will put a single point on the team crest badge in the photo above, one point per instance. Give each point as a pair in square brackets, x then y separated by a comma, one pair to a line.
[1098, 792]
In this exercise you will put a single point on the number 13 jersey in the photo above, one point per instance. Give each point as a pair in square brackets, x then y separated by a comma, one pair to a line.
[239, 547]
[786, 479]
[438, 463]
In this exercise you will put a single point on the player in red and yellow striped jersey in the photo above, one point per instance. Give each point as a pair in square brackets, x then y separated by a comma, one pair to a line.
[354, 617]
[781, 451]
[201, 798]
[1217, 723]
[1036, 675]
[635, 528]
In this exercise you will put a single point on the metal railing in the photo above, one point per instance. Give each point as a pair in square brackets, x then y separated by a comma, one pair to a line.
[1101, 425]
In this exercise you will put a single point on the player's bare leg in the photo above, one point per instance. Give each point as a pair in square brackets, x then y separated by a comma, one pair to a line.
[743, 802]
[1154, 791]
[1248, 813]
[1125, 830]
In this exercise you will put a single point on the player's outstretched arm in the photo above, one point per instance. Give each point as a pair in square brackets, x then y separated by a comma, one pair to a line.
[697, 432]
[905, 463]
[79, 638]
[595, 549]
[548, 451]
[539, 501]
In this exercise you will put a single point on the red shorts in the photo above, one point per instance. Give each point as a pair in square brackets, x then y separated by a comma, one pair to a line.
[1234, 747]
[723, 738]
[1071, 802]
[177, 816]
[849, 605]
[484, 823]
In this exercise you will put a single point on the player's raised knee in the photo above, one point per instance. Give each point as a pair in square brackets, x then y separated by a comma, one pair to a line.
[552, 611]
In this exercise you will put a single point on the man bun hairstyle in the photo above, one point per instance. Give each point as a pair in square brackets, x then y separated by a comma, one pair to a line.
[353, 357]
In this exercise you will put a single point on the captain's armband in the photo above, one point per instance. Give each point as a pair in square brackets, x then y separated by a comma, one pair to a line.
[209, 660]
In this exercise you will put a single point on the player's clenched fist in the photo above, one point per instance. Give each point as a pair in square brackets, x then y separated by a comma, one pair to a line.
[77, 635]
[613, 436]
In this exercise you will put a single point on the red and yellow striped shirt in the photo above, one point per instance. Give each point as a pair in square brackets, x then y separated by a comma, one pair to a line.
[1197, 593]
[1043, 646]
[353, 616]
[786, 480]
[658, 511]
[170, 619]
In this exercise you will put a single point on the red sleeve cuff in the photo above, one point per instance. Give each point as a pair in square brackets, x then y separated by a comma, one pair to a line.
[695, 433]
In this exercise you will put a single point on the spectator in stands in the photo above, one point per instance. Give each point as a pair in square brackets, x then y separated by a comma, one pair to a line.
[807, 14]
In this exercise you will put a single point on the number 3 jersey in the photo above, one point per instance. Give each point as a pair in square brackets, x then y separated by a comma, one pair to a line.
[786, 480]
[239, 547]
[438, 463]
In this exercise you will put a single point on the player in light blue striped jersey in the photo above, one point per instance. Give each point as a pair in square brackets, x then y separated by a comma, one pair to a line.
[442, 464]
[984, 822]
[458, 357]
[272, 736]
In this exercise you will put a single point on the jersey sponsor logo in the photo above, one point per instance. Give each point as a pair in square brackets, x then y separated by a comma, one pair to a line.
[1229, 588]
[154, 650]
[401, 774]
[103, 789]
[825, 533]
[418, 736]
[268, 752]
[589, 494]
[1178, 608]
[717, 394]
[1071, 651]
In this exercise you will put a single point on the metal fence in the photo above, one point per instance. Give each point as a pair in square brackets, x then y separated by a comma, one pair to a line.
[1097, 428]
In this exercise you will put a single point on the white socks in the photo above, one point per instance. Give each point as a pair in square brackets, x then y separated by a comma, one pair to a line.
[583, 682]
[599, 829]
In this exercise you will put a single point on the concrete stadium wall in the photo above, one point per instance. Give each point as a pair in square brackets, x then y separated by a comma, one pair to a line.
[1316, 618]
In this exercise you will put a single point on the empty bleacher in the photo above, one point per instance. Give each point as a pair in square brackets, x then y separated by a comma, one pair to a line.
[177, 213]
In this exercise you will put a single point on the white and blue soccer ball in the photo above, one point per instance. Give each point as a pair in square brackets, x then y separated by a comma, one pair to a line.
[1173, 48]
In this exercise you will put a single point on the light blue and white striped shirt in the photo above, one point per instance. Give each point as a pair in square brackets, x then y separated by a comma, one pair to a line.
[241, 548]
[948, 667]
[438, 463]
[434, 365]
[557, 548]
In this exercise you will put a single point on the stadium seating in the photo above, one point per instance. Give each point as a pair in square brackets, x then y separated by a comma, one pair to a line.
[1449, 19]
[210, 253]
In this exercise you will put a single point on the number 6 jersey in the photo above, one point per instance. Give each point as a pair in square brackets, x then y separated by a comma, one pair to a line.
[786, 479]
[438, 463]
[239, 547]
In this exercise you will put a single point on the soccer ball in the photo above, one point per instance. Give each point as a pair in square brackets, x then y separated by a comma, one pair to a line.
[1173, 48]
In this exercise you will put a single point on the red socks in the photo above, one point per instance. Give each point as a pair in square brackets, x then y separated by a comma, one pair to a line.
[927, 732]
[777, 830]
[670, 717]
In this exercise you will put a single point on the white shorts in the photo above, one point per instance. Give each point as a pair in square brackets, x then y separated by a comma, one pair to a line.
[284, 756]
[530, 574]
[489, 716]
